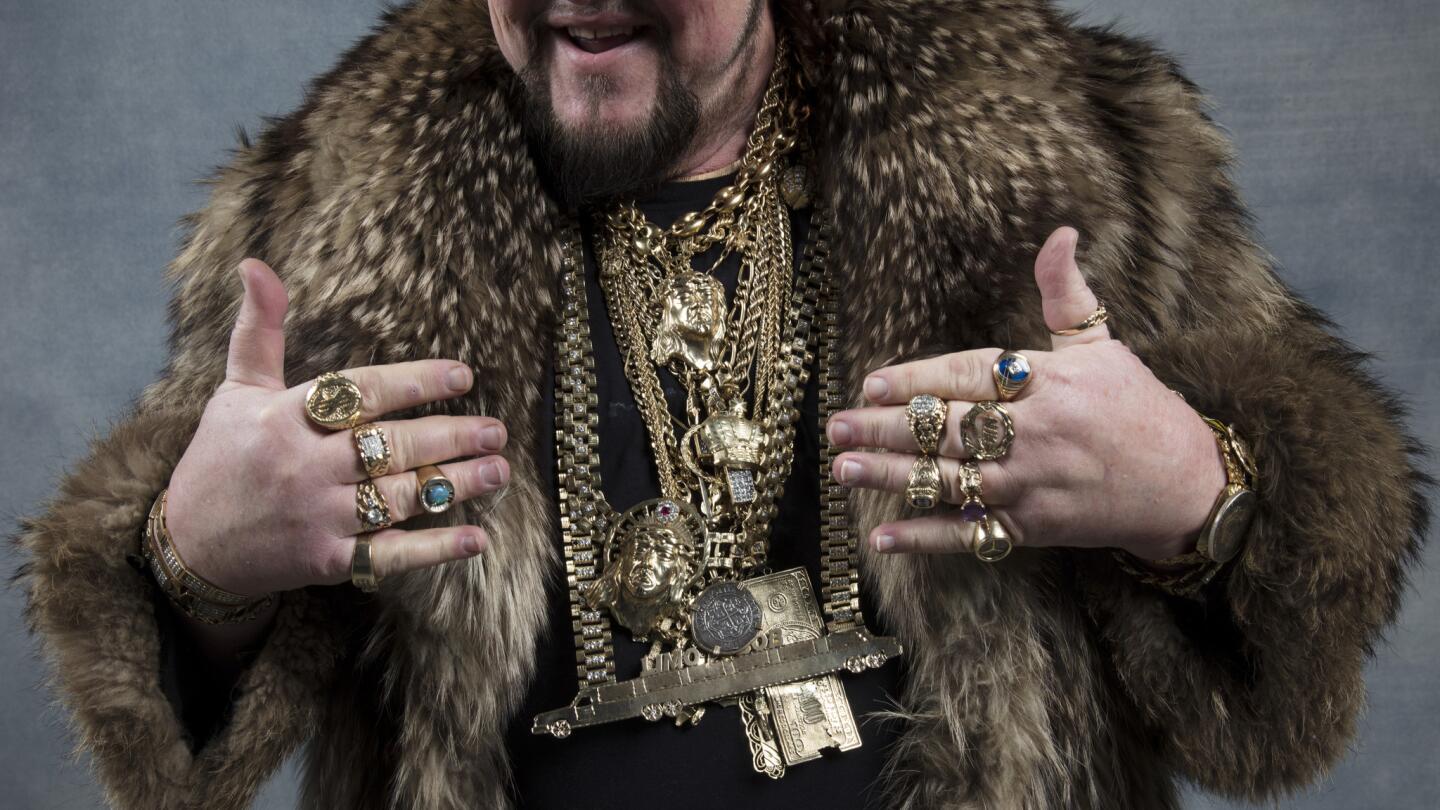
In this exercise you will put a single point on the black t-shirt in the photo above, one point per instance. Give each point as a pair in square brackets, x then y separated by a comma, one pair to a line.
[642, 764]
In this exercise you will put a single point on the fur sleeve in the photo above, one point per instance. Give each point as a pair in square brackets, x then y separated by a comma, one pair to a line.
[1257, 692]
[92, 608]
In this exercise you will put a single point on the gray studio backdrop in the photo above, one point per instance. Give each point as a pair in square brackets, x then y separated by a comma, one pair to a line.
[108, 111]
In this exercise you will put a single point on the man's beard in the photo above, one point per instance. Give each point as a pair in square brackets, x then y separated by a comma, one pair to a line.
[607, 162]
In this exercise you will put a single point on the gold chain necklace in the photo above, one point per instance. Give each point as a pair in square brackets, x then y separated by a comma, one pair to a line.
[693, 577]
[784, 680]
[667, 313]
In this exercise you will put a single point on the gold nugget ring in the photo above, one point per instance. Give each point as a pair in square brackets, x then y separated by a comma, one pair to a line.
[374, 447]
[926, 414]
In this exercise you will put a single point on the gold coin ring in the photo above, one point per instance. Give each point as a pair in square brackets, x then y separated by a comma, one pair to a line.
[1096, 318]
[371, 508]
[926, 415]
[333, 402]
[362, 566]
[374, 448]
[922, 486]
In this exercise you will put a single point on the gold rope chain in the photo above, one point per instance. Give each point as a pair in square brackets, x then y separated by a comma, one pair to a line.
[637, 261]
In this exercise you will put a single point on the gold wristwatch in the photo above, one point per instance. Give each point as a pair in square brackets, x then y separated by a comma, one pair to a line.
[1224, 532]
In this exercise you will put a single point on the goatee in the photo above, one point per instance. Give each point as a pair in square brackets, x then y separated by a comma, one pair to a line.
[601, 163]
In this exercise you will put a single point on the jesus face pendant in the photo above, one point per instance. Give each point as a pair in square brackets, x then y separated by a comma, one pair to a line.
[654, 554]
[692, 326]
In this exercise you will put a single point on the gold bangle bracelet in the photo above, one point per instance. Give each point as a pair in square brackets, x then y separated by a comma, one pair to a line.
[195, 596]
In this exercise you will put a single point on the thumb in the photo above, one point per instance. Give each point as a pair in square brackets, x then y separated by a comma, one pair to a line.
[1066, 298]
[257, 343]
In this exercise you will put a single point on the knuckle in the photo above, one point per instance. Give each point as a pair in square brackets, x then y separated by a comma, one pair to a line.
[399, 556]
[403, 446]
[326, 561]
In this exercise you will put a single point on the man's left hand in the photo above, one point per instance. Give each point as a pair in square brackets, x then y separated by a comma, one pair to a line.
[1104, 453]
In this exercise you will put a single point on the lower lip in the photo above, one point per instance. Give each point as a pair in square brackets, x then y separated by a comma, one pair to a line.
[596, 62]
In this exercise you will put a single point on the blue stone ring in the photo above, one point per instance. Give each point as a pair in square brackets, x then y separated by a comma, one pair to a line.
[1012, 373]
[437, 494]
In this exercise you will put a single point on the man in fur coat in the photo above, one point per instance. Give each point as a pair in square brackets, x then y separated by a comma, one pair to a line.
[982, 174]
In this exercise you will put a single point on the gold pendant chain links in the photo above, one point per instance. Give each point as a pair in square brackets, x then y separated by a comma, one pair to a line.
[839, 542]
[585, 517]
[666, 313]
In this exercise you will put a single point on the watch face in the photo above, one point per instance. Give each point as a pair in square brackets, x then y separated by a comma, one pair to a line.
[1230, 522]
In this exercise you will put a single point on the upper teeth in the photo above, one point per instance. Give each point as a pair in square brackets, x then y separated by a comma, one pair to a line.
[598, 33]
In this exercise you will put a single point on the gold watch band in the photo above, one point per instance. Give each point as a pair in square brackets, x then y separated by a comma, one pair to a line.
[1187, 574]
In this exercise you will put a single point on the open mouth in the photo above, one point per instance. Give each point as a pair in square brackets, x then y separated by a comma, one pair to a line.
[600, 39]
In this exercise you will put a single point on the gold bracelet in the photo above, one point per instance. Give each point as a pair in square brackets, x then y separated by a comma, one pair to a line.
[191, 593]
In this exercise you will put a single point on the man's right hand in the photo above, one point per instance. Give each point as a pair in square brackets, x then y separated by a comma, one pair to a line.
[263, 500]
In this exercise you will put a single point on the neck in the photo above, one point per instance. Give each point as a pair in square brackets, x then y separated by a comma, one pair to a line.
[720, 144]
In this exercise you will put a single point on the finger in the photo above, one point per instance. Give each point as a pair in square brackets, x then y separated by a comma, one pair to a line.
[931, 534]
[257, 343]
[471, 478]
[934, 534]
[400, 386]
[1066, 298]
[961, 375]
[890, 472]
[417, 442]
[888, 427]
[394, 551]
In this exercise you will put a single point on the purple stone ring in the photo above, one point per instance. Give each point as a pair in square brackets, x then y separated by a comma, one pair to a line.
[1012, 373]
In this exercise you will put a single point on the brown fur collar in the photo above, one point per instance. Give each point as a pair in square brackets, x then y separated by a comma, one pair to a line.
[401, 208]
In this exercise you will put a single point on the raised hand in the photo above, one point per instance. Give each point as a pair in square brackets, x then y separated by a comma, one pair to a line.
[1104, 454]
[263, 500]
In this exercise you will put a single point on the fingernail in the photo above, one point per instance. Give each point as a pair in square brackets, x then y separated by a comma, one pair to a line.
[492, 438]
[884, 542]
[471, 544]
[492, 475]
[876, 388]
[841, 433]
[849, 471]
[458, 378]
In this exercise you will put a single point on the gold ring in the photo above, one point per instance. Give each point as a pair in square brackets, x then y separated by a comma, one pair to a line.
[371, 508]
[993, 542]
[972, 509]
[1096, 318]
[1012, 373]
[333, 402]
[922, 486]
[987, 431]
[926, 415]
[436, 492]
[374, 447]
[362, 566]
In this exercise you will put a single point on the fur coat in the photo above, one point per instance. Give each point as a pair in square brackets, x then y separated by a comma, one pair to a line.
[401, 207]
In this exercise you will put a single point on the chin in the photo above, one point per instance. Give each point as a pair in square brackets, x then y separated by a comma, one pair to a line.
[613, 90]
